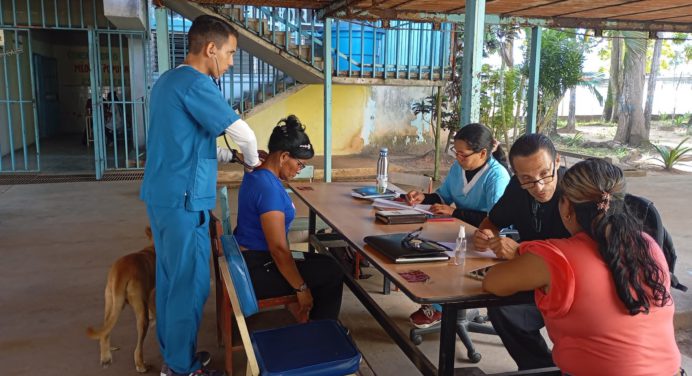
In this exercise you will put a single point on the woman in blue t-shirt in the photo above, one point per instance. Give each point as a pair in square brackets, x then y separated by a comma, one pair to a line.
[265, 213]
[475, 182]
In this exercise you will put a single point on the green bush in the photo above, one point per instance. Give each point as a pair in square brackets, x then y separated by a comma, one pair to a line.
[671, 156]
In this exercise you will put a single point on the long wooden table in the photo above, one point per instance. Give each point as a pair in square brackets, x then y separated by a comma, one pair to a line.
[354, 219]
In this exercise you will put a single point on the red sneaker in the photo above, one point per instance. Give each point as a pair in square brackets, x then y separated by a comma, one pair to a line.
[425, 317]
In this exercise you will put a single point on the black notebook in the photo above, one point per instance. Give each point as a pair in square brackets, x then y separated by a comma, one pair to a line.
[391, 246]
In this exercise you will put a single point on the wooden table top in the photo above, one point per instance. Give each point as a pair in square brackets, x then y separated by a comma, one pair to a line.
[355, 218]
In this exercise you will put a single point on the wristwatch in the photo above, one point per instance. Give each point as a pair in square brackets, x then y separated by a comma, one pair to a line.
[302, 288]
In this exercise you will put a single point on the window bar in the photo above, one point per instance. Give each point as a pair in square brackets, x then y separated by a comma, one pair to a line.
[312, 38]
[433, 38]
[384, 53]
[253, 62]
[261, 81]
[442, 54]
[398, 50]
[350, 48]
[28, 13]
[69, 14]
[288, 29]
[14, 22]
[299, 24]
[122, 99]
[374, 30]
[362, 49]
[409, 48]
[33, 95]
[184, 36]
[110, 99]
[242, 82]
[8, 105]
[43, 14]
[245, 9]
[2, 22]
[21, 98]
[421, 45]
[93, 15]
[272, 19]
[81, 13]
[335, 46]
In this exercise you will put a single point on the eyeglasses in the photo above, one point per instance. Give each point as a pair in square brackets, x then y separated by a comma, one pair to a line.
[543, 181]
[412, 240]
[459, 155]
[301, 165]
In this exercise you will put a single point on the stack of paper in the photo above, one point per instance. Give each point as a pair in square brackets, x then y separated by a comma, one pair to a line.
[389, 204]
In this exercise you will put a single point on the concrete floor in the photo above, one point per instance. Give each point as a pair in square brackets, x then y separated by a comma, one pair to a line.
[58, 241]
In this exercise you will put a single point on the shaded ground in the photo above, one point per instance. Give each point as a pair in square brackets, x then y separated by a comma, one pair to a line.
[662, 133]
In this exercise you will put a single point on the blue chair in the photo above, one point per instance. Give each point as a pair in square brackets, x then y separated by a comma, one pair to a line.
[315, 348]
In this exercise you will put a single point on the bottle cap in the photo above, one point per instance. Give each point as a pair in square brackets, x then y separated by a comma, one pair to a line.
[462, 232]
[384, 150]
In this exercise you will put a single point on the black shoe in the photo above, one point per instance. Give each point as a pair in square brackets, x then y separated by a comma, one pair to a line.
[203, 356]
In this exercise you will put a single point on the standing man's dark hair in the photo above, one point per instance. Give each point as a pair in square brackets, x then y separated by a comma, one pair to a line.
[187, 112]
[208, 29]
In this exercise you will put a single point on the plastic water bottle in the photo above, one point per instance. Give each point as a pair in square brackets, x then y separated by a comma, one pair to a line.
[460, 247]
[382, 165]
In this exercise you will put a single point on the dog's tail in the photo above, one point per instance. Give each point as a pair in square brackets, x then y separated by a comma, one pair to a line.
[114, 305]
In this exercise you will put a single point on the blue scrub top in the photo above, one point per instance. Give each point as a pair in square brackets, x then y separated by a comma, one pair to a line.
[187, 114]
[481, 193]
[260, 192]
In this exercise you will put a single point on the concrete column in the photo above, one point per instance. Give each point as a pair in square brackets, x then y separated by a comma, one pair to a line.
[534, 71]
[327, 43]
[474, 30]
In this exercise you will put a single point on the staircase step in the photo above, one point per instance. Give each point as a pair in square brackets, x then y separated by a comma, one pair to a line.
[259, 27]
[232, 13]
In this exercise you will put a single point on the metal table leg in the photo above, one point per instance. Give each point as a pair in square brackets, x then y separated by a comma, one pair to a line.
[312, 225]
[447, 340]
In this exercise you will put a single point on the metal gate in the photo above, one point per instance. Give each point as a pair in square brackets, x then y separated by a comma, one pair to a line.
[19, 135]
[119, 83]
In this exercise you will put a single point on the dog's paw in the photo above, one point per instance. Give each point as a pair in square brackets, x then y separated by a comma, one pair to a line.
[106, 362]
[142, 368]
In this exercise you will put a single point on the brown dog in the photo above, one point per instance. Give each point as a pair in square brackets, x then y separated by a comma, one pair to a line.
[131, 280]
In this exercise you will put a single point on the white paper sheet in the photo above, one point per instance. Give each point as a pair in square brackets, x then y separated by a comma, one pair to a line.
[389, 204]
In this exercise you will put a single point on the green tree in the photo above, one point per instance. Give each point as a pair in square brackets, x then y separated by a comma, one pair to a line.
[631, 129]
[562, 60]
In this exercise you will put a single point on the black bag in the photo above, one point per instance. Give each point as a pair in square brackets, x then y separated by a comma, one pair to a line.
[652, 225]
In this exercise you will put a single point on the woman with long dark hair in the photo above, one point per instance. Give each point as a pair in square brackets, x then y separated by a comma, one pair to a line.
[265, 212]
[475, 182]
[604, 292]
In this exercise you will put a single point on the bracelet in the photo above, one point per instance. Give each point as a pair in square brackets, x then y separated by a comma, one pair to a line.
[301, 288]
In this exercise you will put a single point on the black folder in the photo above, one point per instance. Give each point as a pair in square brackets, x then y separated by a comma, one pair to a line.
[391, 246]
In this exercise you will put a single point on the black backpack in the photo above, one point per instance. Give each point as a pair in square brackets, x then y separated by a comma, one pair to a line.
[652, 225]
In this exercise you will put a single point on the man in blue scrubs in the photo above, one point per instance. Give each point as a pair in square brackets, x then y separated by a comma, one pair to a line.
[187, 114]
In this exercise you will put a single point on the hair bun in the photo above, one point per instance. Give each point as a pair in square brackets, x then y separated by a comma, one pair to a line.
[292, 122]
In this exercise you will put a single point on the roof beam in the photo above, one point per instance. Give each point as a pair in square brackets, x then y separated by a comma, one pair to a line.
[554, 22]
[603, 24]
[340, 6]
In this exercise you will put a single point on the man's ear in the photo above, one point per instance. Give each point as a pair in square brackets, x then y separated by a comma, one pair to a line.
[557, 160]
[210, 49]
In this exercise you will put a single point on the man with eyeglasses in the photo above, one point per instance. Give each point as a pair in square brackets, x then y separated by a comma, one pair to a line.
[530, 205]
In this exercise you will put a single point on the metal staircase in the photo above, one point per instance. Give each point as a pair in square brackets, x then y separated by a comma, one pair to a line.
[283, 47]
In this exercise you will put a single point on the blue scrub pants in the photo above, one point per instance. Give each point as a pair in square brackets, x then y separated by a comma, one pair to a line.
[183, 249]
